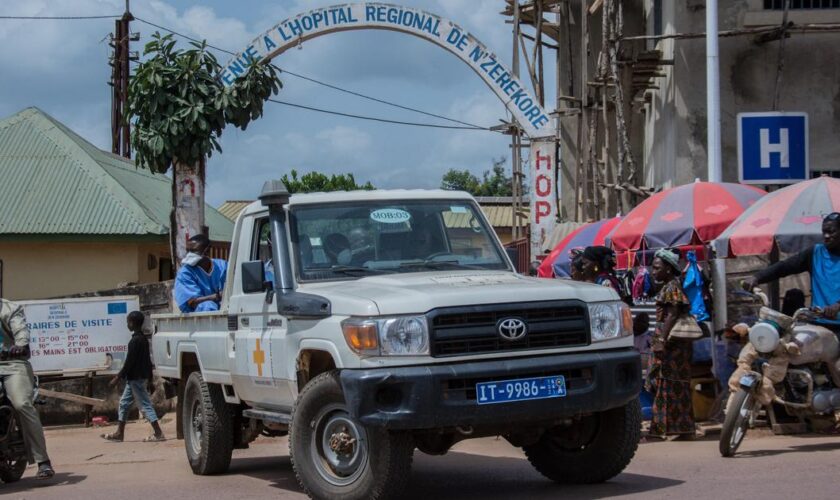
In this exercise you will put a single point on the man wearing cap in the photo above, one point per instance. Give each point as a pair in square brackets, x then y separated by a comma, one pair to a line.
[18, 380]
[822, 261]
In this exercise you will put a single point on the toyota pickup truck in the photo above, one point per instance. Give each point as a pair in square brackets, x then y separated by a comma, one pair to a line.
[365, 325]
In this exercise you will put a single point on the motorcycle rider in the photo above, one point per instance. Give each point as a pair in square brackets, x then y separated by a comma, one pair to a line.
[18, 380]
[822, 261]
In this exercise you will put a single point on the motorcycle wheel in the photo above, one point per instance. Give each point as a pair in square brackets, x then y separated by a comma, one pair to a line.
[11, 470]
[737, 422]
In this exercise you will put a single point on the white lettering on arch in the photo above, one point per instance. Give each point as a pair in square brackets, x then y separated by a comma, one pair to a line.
[533, 119]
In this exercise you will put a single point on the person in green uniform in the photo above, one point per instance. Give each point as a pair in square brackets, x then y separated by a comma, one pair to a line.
[19, 382]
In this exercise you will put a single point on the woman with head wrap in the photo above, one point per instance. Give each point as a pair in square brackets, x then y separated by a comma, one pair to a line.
[599, 268]
[670, 370]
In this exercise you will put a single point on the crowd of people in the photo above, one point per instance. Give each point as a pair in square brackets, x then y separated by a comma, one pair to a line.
[676, 297]
[669, 370]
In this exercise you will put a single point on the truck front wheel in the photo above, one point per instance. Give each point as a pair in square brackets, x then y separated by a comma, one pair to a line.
[208, 433]
[591, 450]
[334, 456]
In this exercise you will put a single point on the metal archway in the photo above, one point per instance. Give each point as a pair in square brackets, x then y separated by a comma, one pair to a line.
[523, 106]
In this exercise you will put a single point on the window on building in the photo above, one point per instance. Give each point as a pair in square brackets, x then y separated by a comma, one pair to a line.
[165, 269]
[829, 173]
[802, 4]
[657, 17]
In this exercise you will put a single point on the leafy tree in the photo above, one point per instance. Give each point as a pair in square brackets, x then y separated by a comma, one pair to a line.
[460, 180]
[318, 182]
[180, 108]
[493, 182]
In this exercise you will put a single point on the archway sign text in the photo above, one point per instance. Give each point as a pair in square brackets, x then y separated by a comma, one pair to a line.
[525, 108]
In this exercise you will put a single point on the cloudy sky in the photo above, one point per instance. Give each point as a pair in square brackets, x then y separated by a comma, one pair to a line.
[62, 68]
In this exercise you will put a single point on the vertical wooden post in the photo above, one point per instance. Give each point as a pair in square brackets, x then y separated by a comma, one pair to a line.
[89, 393]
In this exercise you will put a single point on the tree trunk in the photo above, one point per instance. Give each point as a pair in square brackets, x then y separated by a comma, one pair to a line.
[187, 205]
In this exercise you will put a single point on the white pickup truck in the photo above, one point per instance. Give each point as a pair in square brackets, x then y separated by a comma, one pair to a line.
[368, 324]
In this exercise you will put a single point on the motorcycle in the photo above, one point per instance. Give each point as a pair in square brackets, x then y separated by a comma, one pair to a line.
[806, 381]
[13, 454]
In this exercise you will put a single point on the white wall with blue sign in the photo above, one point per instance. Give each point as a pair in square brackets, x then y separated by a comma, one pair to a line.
[772, 148]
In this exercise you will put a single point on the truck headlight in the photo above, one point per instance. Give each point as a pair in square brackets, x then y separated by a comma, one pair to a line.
[393, 336]
[610, 320]
[404, 336]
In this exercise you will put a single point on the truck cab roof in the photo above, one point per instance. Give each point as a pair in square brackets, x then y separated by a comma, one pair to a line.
[363, 195]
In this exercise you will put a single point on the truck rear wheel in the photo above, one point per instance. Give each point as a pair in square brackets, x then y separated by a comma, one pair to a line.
[208, 433]
[592, 450]
[334, 456]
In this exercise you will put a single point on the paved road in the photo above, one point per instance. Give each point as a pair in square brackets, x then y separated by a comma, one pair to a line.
[768, 467]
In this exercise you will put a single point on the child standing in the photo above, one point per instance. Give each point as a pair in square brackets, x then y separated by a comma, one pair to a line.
[137, 372]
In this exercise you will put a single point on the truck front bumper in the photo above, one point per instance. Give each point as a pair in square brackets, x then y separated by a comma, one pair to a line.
[444, 395]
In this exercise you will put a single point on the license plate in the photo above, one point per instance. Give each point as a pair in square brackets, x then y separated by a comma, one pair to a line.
[522, 389]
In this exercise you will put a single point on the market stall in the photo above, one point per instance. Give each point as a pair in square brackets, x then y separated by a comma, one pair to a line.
[688, 217]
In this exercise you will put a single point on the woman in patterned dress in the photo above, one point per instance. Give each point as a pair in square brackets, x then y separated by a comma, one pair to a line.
[671, 366]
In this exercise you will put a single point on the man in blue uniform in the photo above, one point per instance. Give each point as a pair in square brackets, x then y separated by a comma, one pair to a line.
[822, 261]
[199, 283]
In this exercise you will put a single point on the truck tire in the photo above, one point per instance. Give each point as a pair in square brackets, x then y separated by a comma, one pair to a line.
[208, 433]
[737, 421]
[595, 449]
[335, 457]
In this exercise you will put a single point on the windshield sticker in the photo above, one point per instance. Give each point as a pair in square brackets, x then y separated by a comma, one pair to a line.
[455, 209]
[390, 215]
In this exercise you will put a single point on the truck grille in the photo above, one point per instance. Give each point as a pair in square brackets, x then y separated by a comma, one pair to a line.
[472, 330]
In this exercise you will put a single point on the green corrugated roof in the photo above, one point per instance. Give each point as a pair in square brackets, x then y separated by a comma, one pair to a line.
[52, 181]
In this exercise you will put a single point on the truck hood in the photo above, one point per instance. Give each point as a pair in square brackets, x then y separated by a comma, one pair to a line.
[421, 292]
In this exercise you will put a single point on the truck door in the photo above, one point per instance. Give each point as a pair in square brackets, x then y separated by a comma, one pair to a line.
[261, 332]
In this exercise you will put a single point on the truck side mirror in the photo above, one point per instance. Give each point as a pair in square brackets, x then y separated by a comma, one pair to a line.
[253, 276]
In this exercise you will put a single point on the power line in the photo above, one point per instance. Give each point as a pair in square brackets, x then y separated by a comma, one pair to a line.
[60, 18]
[334, 87]
[372, 118]
[382, 101]
[196, 40]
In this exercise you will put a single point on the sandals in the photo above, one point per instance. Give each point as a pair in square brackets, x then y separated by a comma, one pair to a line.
[45, 471]
[112, 436]
[154, 439]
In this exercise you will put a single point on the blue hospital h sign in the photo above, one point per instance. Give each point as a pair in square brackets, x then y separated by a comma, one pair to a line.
[772, 148]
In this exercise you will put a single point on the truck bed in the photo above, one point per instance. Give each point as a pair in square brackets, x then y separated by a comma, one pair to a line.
[204, 335]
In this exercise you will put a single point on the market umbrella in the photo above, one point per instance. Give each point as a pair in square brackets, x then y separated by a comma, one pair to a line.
[690, 214]
[791, 217]
[558, 263]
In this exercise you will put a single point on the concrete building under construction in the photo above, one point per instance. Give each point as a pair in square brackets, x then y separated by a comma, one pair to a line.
[630, 87]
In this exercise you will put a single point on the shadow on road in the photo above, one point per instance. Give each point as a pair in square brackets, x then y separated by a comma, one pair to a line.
[277, 470]
[29, 483]
[804, 448]
[467, 476]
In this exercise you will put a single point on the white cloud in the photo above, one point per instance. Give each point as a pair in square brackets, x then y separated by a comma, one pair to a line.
[344, 141]
[62, 68]
[200, 22]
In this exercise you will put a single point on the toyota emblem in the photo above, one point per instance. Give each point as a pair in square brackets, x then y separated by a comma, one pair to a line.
[512, 328]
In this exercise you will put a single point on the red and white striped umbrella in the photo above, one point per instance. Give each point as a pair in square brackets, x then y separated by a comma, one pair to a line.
[790, 217]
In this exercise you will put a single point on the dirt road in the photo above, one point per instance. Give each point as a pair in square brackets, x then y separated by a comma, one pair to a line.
[768, 467]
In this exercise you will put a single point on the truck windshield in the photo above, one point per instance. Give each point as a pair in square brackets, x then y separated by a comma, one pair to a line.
[358, 239]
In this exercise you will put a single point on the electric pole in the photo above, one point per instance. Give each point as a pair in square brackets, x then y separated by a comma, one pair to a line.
[120, 71]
